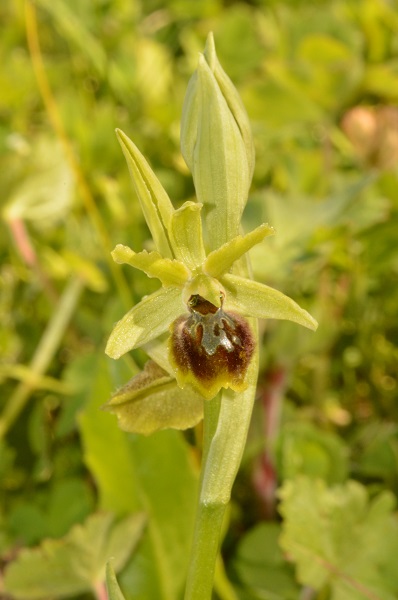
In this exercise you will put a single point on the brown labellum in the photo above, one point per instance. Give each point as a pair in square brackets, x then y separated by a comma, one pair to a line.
[210, 348]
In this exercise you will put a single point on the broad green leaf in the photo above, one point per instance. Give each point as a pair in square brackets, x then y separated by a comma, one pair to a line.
[112, 586]
[76, 563]
[145, 321]
[303, 449]
[214, 150]
[255, 299]
[339, 537]
[186, 234]
[221, 260]
[154, 200]
[154, 474]
[169, 272]
[261, 567]
[152, 401]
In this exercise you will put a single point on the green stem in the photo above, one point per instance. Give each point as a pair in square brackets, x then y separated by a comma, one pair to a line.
[226, 424]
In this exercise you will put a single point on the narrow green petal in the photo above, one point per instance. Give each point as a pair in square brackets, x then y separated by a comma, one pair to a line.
[145, 321]
[169, 272]
[154, 200]
[233, 99]
[221, 260]
[255, 299]
[186, 235]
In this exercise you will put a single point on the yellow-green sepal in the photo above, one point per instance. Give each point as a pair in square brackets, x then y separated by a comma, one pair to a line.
[255, 299]
[155, 203]
[152, 401]
[169, 272]
[145, 321]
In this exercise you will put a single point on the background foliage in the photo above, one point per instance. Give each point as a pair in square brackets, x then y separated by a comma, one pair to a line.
[320, 83]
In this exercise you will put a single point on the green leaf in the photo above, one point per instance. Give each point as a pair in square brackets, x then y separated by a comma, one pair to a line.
[155, 474]
[169, 272]
[76, 563]
[338, 537]
[221, 260]
[255, 299]
[186, 234]
[112, 586]
[214, 150]
[152, 401]
[260, 566]
[145, 321]
[154, 200]
[305, 449]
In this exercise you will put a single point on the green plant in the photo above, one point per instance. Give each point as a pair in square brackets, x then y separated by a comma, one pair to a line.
[212, 350]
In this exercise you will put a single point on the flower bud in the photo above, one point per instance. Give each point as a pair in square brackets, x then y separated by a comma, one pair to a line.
[217, 146]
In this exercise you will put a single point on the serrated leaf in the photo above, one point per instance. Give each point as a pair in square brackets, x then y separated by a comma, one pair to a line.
[340, 538]
[76, 563]
[260, 566]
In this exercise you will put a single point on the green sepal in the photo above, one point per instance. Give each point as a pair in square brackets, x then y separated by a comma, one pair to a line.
[233, 99]
[155, 203]
[186, 234]
[169, 272]
[214, 150]
[221, 260]
[146, 320]
[112, 587]
[152, 401]
[255, 299]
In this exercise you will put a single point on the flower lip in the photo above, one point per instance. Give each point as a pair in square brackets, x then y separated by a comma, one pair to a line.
[210, 348]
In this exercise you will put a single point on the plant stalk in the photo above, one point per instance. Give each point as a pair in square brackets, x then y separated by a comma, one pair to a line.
[226, 424]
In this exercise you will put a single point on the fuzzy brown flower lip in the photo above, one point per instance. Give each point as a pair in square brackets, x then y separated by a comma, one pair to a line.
[210, 348]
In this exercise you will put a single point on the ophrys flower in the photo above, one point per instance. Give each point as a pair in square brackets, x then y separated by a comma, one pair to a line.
[187, 274]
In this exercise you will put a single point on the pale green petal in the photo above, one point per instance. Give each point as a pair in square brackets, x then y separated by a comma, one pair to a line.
[145, 321]
[186, 234]
[215, 152]
[170, 272]
[221, 260]
[154, 200]
[233, 99]
[152, 401]
[255, 299]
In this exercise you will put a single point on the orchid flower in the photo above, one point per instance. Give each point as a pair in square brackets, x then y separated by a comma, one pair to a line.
[200, 327]
[206, 294]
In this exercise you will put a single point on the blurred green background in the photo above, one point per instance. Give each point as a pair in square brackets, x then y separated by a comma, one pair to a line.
[320, 84]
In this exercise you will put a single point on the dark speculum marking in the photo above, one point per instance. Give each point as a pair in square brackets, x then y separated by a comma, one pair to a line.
[211, 348]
